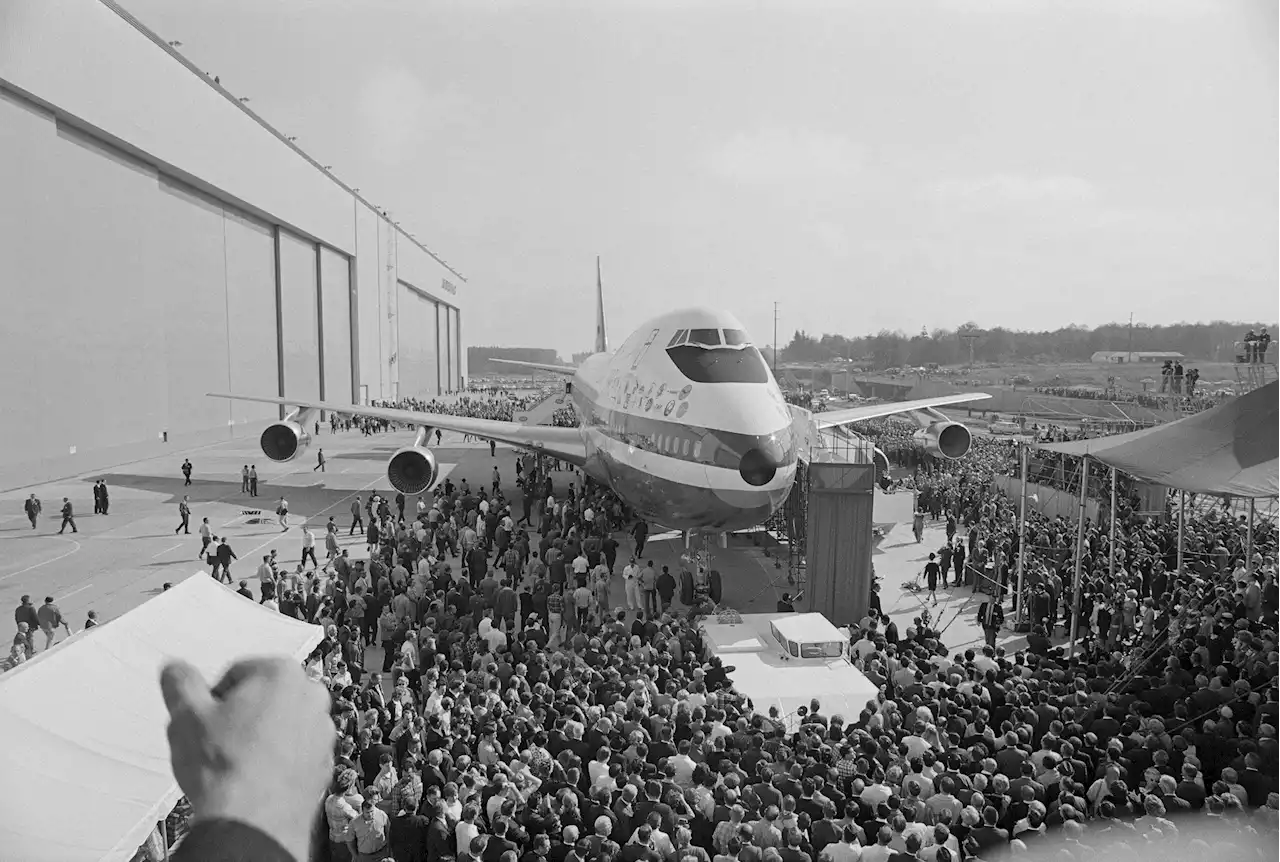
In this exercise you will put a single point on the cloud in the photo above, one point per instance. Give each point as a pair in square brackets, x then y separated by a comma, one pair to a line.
[1126, 8]
[1011, 190]
[398, 114]
[786, 156]
[833, 238]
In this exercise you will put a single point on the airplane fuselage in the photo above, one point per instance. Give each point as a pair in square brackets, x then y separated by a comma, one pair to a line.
[685, 422]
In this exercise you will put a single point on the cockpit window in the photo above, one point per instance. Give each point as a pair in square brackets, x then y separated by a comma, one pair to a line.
[678, 338]
[706, 337]
[719, 364]
[735, 337]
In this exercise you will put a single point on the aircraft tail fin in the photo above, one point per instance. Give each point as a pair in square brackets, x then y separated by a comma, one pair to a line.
[602, 336]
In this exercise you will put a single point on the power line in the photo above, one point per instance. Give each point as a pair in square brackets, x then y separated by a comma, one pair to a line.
[775, 341]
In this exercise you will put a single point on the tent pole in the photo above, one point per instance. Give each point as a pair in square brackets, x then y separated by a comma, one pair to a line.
[1182, 524]
[1022, 539]
[1112, 542]
[1075, 586]
[1248, 543]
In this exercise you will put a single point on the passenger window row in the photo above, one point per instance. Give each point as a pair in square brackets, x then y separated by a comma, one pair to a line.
[691, 444]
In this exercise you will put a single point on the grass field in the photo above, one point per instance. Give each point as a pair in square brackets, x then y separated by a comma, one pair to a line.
[1129, 378]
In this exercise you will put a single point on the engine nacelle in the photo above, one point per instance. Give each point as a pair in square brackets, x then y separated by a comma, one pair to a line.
[413, 470]
[944, 438]
[284, 441]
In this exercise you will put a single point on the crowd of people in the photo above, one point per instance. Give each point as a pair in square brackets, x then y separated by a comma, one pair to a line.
[501, 405]
[523, 711]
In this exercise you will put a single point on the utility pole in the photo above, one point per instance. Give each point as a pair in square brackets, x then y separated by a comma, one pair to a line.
[969, 336]
[775, 341]
[1129, 357]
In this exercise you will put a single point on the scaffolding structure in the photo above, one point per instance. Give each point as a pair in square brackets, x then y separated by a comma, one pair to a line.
[788, 526]
[1251, 375]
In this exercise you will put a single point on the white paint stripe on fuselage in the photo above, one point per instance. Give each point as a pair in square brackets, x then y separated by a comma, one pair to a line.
[685, 472]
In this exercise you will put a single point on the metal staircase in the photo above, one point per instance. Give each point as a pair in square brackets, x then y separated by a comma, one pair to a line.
[1249, 376]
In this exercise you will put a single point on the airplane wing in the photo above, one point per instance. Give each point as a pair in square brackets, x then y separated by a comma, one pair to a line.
[541, 366]
[833, 418]
[564, 444]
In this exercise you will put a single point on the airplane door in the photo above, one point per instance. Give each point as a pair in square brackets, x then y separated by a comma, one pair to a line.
[644, 348]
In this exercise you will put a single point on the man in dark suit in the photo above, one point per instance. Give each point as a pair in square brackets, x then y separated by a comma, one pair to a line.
[989, 835]
[1254, 782]
[440, 839]
[224, 555]
[68, 516]
[991, 616]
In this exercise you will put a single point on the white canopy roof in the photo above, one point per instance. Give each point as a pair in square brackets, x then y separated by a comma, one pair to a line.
[763, 673]
[85, 724]
[811, 628]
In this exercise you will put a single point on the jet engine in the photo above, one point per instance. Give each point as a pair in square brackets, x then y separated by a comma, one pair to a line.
[413, 470]
[284, 441]
[945, 438]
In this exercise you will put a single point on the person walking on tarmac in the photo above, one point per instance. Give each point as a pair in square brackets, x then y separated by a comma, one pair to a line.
[282, 512]
[931, 577]
[186, 470]
[357, 517]
[917, 525]
[184, 512]
[253, 480]
[206, 536]
[493, 448]
[640, 532]
[309, 547]
[222, 560]
[32, 507]
[68, 516]
[244, 479]
[319, 462]
[991, 617]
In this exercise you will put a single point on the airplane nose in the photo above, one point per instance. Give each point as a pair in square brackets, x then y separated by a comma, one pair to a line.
[758, 467]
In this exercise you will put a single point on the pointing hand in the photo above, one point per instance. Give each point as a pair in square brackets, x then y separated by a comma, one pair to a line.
[257, 748]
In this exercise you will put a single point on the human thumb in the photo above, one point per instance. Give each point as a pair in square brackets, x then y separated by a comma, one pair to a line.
[184, 689]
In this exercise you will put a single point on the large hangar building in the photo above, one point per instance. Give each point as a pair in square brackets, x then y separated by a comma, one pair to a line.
[158, 241]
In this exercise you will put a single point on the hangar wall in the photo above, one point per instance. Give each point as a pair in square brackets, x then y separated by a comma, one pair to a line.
[422, 350]
[336, 299]
[166, 243]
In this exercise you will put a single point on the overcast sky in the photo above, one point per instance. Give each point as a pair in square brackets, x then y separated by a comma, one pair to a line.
[1026, 163]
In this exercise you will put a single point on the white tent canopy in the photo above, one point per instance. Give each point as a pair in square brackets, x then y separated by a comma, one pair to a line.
[87, 754]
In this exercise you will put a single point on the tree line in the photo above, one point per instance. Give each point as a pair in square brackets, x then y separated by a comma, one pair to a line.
[893, 349]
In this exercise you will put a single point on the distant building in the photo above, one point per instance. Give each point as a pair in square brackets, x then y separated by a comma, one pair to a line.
[1102, 357]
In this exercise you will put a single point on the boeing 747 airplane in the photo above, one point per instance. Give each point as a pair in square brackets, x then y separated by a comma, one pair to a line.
[684, 421]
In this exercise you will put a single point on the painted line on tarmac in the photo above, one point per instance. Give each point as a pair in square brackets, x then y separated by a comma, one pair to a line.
[46, 562]
[222, 499]
[73, 592]
[307, 518]
[167, 550]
